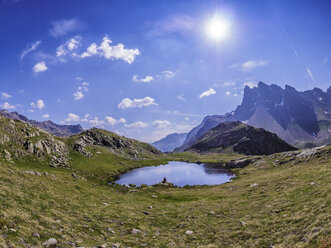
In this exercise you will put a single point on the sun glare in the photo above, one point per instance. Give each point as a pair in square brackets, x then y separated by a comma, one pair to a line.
[217, 28]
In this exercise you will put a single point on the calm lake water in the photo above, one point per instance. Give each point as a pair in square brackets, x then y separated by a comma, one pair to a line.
[178, 173]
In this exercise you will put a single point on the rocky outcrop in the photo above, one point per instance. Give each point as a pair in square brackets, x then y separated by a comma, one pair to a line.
[240, 138]
[21, 140]
[114, 143]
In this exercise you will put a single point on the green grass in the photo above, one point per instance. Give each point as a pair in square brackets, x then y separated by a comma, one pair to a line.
[284, 209]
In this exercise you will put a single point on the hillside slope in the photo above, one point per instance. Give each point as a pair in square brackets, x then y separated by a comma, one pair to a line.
[237, 137]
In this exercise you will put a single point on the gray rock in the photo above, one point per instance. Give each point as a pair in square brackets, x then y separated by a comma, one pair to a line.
[51, 242]
[188, 232]
[134, 231]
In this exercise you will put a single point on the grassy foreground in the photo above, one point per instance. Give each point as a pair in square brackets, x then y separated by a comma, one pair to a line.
[277, 202]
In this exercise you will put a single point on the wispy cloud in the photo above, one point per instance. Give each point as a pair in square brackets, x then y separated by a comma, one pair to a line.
[249, 65]
[31, 48]
[147, 79]
[65, 26]
[39, 67]
[206, 93]
[310, 74]
[5, 95]
[181, 97]
[161, 123]
[45, 116]
[72, 118]
[174, 24]
[137, 124]
[136, 103]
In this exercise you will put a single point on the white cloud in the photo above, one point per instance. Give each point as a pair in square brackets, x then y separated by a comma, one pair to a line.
[250, 84]
[45, 116]
[79, 93]
[161, 123]
[72, 118]
[136, 103]
[147, 79]
[111, 52]
[7, 105]
[181, 97]
[187, 119]
[39, 104]
[67, 47]
[235, 94]
[31, 48]
[228, 93]
[5, 95]
[137, 124]
[112, 121]
[249, 65]
[209, 92]
[62, 27]
[39, 67]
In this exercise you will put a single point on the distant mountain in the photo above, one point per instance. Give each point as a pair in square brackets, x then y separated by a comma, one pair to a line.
[48, 126]
[170, 142]
[297, 117]
[240, 138]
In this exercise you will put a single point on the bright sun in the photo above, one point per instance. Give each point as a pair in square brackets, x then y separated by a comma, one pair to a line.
[217, 28]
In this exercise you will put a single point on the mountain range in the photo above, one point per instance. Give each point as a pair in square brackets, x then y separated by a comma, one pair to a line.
[300, 118]
[48, 126]
[170, 142]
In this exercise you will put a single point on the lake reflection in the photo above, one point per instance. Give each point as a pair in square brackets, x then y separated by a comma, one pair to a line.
[178, 173]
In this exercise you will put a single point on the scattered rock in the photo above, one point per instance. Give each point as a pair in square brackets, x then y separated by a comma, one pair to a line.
[36, 235]
[312, 183]
[188, 232]
[10, 171]
[150, 207]
[106, 204]
[240, 163]
[51, 242]
[243, 223]
[154, 196]
[111, 230]
[254, 185]
[115, 246]
[35, 173]
[146, 213]
[135, 231]
[74, 175]
[12, 230]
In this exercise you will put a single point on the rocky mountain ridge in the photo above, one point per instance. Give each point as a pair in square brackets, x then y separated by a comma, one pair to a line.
[48, 126]
[239, 138]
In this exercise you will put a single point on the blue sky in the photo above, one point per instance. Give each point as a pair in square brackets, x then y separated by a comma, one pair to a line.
[145, 69]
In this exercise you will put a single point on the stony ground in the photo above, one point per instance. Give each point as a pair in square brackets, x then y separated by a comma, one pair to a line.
[281, 200]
